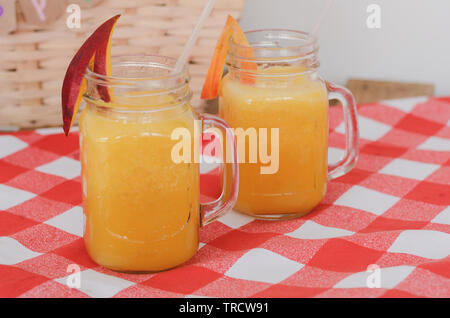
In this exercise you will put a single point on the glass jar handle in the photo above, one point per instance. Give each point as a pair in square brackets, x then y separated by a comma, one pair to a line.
[347, 99]
[212, 210]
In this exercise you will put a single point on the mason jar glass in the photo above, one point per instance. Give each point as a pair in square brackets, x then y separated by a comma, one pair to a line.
[276, 101]
[142, 206]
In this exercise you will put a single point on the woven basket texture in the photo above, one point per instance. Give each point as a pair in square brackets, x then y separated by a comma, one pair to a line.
[34, 59]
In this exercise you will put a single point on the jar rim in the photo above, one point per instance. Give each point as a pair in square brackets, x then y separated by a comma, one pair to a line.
[140, 76]
[274, 47]
[307, 40]
[155, 61]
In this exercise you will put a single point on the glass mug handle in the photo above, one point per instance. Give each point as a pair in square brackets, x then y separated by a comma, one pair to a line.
[347, 99]
[212, 210]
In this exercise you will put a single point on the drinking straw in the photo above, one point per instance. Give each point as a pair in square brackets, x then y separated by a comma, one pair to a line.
[195, 33]
[322, 16]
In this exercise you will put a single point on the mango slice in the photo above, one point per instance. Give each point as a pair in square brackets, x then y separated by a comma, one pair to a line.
[95, 51]
[216, 68]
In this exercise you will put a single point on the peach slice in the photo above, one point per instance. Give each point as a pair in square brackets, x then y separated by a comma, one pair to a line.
[215, 72]
[95, 51]
[246, 51]
[102, 65]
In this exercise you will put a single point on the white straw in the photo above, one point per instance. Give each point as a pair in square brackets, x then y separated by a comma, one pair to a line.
[195, 33]
[322, 16]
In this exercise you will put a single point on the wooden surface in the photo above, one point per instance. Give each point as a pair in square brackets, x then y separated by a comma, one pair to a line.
[370, 91]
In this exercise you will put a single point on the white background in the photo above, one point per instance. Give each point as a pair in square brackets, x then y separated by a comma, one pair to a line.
[412, 45]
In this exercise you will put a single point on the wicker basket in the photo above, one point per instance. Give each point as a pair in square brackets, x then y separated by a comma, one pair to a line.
[34, 60]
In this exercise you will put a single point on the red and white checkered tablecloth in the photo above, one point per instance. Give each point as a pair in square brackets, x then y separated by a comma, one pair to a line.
[392, 210]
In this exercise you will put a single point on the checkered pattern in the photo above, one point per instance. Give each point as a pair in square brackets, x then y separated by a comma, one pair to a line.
[391, 210]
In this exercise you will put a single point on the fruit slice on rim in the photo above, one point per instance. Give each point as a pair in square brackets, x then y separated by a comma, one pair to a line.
[246, 51]
[231, 30]
[102, 65]
[95, 51]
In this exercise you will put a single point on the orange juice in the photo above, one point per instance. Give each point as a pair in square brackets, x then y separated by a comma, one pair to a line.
[139, 152]
[298, 106]
[142, 209]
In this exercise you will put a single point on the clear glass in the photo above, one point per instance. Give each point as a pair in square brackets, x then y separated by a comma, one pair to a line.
[274, 83]
[142, 208]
